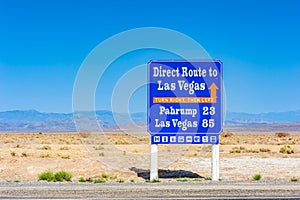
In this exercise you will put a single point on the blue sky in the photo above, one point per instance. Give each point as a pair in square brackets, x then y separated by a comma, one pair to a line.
[43, 43]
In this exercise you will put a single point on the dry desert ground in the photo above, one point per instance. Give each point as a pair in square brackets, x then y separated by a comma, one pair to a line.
[24, 156]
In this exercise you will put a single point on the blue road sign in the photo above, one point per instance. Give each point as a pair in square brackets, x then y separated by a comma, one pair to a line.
[185, 102]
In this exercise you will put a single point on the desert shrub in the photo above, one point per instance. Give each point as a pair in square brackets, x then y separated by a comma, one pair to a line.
[282, 134]
[155, 181]
[89, 179]
[13, 153]
[24, 154]
[287, 149]
[119, 142]
[135, 151]
[196, 179]
[142, 139]
[256, 177]
[294, 179]
[182, 179]
[207, 178]
[120, 180]
[100, 180]
[152, 181]
[243, 150]
[46, 147]
[46, 176]
[101, 154]
[64, 148]
[105, 176]
[64, 156]
[235, 150]
[81, 179]
[132, 180]
[45, 155]
[252, 151]
[264, 150]
[62, 176]
[112, 177]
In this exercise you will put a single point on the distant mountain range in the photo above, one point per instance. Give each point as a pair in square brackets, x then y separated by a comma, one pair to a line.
[34, 121]
[235, 118]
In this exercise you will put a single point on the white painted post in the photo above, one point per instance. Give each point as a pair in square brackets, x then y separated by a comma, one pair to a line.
[215, 162]
[153, 162]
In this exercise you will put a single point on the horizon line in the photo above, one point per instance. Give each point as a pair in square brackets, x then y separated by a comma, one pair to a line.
[105, 110]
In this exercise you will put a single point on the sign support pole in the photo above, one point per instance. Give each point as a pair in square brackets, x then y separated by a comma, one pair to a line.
[215, 162]
[153, 162]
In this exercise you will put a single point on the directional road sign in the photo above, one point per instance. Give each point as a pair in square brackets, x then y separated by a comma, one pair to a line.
[184, 102]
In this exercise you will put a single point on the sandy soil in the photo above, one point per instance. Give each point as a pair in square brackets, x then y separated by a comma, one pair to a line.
[25, 156]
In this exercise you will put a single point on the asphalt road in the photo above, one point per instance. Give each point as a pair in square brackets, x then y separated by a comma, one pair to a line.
[165, 190]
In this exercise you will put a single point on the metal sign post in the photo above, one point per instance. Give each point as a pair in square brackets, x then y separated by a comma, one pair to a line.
[215, 161]
[185, 106]
[153, 162]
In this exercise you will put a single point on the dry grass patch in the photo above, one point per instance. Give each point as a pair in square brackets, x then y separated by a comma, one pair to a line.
[101, 154]
[120, 141]
[225, 135]
[8, 141]
[191, 155]
[64, 148]
[47, 155]
[242, 149]
[64, 156]
[99, 148]
[237, 150]
[84, 134]
[281, 134]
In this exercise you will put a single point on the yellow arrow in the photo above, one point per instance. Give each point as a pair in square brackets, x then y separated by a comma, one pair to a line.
[213, 91]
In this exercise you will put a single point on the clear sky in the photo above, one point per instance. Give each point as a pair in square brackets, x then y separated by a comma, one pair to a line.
[43, 43]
